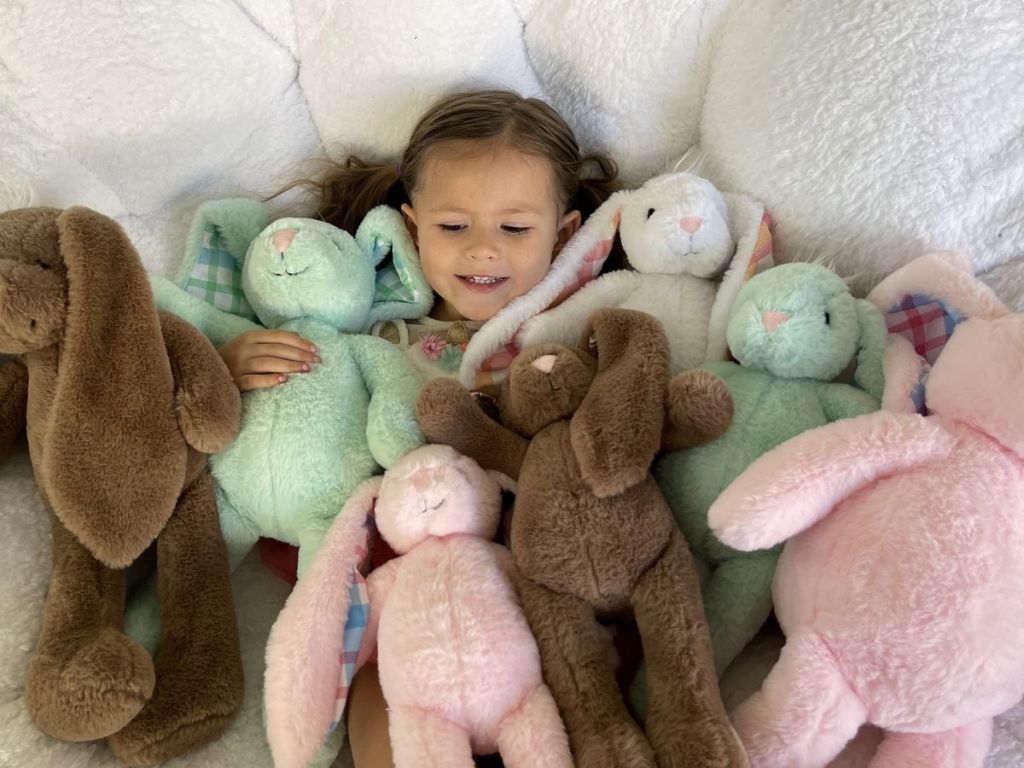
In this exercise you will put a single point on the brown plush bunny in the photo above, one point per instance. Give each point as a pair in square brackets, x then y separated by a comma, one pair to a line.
[593, 538]
[121, 404]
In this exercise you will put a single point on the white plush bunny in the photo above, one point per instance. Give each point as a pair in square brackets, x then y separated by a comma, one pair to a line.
[691, 248]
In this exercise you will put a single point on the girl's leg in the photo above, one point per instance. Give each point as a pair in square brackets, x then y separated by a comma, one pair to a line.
[367, 721]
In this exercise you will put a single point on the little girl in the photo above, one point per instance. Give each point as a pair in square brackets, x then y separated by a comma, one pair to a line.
[490, 185]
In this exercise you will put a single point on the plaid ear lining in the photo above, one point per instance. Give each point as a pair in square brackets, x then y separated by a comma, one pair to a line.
[928, 324]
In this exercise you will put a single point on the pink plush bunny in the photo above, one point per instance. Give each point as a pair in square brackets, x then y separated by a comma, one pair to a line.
[458, 665]
[901, 589]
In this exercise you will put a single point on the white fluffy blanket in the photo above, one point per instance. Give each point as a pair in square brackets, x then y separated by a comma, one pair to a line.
[870, 131]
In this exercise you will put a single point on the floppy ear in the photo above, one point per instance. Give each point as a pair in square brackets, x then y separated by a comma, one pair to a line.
[113, 459]
[313, 645]
[401, 291]
[493, 348]
[616, 431]
[869, 375]
[232, 223]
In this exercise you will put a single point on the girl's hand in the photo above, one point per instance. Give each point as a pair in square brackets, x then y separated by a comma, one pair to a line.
[259, 359]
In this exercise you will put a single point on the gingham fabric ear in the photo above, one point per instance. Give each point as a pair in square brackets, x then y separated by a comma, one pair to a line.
[216, 276]
[928, 324]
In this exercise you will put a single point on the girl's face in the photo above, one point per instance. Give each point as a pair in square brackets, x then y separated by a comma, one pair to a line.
[487, 225]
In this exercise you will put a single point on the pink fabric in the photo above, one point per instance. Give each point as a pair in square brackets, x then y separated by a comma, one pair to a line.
[902, 591]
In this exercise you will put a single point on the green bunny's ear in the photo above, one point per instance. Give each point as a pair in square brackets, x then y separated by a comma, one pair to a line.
[215, 249]
[873, 335]
[401, 291]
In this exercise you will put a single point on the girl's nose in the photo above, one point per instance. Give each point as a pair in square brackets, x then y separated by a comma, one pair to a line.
[482, 248]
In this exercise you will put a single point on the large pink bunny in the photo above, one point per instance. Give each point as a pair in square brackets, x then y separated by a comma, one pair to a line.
[901, 589]
[458, 665]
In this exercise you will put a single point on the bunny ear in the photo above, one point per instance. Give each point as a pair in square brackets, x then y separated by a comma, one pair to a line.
[401, 290]
[113, 459]
[313, 645]
[493, 347]
[215, 249]
[924, 300]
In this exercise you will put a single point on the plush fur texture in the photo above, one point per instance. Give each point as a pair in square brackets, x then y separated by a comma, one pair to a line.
[592, 537]
[120, 403]
[906, 621]
[299, 456]
[793, 329]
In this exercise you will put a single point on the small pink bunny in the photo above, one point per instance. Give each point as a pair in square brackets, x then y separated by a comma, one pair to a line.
[902, 593]
[458, 664]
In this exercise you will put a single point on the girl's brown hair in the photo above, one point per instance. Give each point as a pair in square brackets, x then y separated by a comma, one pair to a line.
[348, 191]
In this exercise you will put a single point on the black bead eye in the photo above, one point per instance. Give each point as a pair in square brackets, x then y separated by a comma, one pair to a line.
[828, 319]
[42, 264]
[650, 212]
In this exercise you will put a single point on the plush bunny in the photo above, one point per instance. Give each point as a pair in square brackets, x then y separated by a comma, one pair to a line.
[304, 446]
[901, 588]
[691, 248]
[458, 665]
[121, 405]
[793, 329]
[592, 536]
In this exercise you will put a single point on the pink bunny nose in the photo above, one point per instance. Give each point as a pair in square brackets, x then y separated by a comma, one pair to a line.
[282, 239]
[772, 320]
[423, 480]
[691, 223]
[545, 363]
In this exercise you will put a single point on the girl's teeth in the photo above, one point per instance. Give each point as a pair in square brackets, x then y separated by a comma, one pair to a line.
[483, 280]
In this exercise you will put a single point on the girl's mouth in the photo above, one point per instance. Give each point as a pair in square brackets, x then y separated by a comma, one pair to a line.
[481, 283]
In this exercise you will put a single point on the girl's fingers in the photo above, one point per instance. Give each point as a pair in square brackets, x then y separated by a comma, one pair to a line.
[282, 337]
[283, 351]
[267, 364]
[260, 381]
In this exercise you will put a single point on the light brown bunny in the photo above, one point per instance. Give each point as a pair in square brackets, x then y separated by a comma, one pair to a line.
[121, 405]
[593, 538]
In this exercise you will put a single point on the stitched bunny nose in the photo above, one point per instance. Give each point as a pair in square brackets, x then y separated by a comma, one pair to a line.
[423, 480]
[282, 239]
[545, 363]
[772, 320]
[691, 223]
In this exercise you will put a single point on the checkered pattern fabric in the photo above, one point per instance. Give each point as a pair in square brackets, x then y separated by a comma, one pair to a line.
[217, 279]
[355, 625]
[926, 323]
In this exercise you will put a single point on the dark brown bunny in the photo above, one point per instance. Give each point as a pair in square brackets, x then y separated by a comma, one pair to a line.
[593, 538]
[121, 405]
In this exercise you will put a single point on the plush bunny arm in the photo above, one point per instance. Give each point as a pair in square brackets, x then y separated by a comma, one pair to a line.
[207, 402]
[378, 586]
[394, 383]
[842, 401]
[565, 323]
[698, 409]
[219, 327]
[448, 415]
[304, 650]
[792, 487]
[13, 403]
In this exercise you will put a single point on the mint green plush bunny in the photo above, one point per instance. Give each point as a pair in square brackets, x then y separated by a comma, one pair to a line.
[793, 330]
[305, 445]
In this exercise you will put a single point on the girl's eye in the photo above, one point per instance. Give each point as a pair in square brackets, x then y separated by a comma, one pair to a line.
[515, 230]
[453, 227]
[828, 319]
